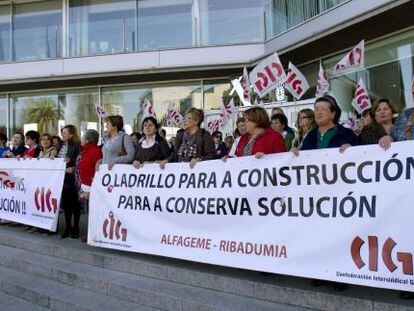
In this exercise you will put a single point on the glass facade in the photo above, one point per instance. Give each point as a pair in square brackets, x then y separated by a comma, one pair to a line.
[101, 27]
[3, 114]
[5, 23]
[165, 24]
[285, 14]
[229, 22]
[37, 30]
[128, 101]
[49, 112]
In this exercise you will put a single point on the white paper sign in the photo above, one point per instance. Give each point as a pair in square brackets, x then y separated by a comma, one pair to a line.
[30, 191]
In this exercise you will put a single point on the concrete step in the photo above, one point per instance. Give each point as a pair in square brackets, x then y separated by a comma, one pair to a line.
[289, 291]
[11, 303]
[57, 296]
[165, 295]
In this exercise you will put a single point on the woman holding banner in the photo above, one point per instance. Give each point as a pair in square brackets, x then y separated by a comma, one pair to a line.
[192, 144]
[118, 147]
[151, 147]
[379, 132]
[305, 123]
[69, 150]
[259, 139]
[328, 133]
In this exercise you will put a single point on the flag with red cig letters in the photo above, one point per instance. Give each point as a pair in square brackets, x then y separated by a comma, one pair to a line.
[149, 109]
[267, 75]
[174, 117]
[214, 124]
[100, 111]
[353, 60]
[322, 86]
[227, 111]
[361, 99]
[296, 82]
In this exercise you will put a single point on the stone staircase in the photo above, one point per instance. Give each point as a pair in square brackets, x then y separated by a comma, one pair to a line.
[41, 272]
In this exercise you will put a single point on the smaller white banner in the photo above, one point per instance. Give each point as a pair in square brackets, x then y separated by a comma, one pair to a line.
[30, 191]
[266, 76]
[361, 99]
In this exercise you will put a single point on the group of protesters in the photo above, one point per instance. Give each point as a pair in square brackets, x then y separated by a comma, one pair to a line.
[256, 134]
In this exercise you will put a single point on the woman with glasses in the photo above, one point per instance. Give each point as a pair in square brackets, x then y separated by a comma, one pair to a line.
[305, 123]
[259, 138]
[221, 149]
[192, 144]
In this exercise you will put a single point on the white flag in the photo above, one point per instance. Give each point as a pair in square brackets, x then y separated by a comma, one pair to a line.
[148, 109]
[246, 86]
[100, 111]
[227, 111]
[174, 117]
[296, 82]
[214, 124]
[353, 60]
[361, 99]
[266, 76]
[322, 86]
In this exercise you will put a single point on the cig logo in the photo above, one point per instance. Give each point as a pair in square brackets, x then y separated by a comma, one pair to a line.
[404, 259]
[109, 223]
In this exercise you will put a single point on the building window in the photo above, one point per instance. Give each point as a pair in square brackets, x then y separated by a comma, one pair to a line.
[37, 30]
[228, 21]
[3, 115]
[129, 101]
[165, 24]
[49, 112]
[5, 33]
[101, 27]
[285, 14]
[389, 67]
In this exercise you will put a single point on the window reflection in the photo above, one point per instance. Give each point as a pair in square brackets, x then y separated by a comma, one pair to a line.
[101, 27]
[3, 115]
[128, 101]
[49, 112]
[228, 21]
[5, 34]
[37, 30]
[164, 24]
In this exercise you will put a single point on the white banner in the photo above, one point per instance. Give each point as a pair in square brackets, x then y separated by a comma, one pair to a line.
[345, 217]
[30, 191]
[266, 76]
[355, 59]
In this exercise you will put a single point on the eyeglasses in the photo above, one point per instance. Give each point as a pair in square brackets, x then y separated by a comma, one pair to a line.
[217, 136]
[303, 117]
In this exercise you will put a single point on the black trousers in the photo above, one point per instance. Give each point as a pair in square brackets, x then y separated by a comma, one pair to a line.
[71, 206]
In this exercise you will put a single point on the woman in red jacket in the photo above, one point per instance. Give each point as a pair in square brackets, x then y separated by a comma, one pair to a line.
[260, 139]
[90, 155]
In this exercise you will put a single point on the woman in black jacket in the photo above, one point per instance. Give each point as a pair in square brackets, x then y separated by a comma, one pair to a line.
[69, 150]
[151, 147]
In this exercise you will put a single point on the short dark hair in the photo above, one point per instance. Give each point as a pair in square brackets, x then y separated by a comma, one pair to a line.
[33, 135]
[92, 136]
[3, 137]
[333, 106]
[116, 121]
[217, 132]
[281, 117]
[152, 120]
[367, 112]
[18, 133]
[258, 115]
